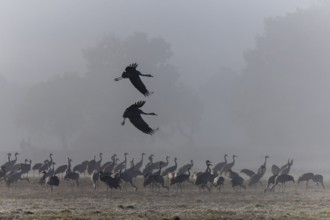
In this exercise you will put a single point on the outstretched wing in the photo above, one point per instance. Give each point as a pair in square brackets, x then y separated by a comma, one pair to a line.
[139, 85]
[133, 108]
[248, 172]
[140, 124]
[131, 67]
[138, 104]
[275, 170]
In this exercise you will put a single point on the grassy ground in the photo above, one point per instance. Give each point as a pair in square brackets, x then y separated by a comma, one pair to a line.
[31, 201]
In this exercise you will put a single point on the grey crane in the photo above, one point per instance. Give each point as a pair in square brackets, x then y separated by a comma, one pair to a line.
[204, 178]
[282, 179]
[111, 182]
[218, 181]
[70, 175]
[148, 168]
[52, 181]
[286, 168]
[122, 165]
[256, 177]
[139, 164]
[180, 179]
[91, 165]
[229, 166]
[51, 171]
[10, 164]
[155, 178]
[185, 167]
[156, 164]
[47, 164]
[9, 159]
[170, 169]
[2, 172]
[44, 167]
[98, 163]
[26, 167]
[94, 165]
[318, 179]
[81, 168]
[14, 177]
[270, 182]
[95, 176]
[108, 166]
[133, 113]
[36, 167]
[306, 177]
[219, 166]
[132, 163]
[236, 180]
[134, 76]
[49, 180]
[17, 166]
[128, 175]
[61, 169]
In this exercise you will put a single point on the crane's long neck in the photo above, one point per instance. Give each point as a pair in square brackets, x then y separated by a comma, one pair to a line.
[69, 164]
[125, 161]
[147, 75]
[208, 169]
[145, 113]
[142, 158]
[265, 161]
[100, 158]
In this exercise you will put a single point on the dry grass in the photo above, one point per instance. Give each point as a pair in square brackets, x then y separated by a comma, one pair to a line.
[30, 201]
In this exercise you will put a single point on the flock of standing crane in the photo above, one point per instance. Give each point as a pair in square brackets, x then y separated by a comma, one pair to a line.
[155, 175]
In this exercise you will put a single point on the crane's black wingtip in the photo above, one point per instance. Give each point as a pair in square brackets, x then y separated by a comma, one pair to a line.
[152, 131]
[148, 93]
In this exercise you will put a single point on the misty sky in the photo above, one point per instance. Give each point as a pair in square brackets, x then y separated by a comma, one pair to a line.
[42, 38]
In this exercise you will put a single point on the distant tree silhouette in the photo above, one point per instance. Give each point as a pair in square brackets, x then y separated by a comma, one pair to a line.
[53, 107]
[282, 94]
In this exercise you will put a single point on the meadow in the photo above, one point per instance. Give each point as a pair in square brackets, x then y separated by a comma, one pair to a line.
[28, 200]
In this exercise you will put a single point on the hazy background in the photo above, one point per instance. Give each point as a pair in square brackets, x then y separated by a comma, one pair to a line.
[249, 78]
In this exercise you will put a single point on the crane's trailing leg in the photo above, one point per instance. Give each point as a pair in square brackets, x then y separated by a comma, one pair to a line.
[123, 123]
[118, 78]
